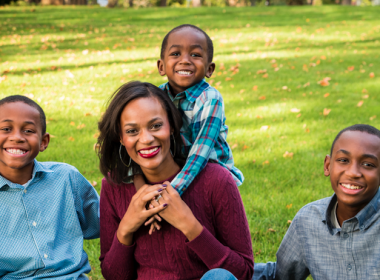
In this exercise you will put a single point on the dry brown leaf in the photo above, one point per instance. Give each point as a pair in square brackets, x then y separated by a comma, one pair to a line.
[287, 155]
[265, 127]
[326, 111]
[72, 123]
[372, 118]
[350, 68]
[96, 135]
[326, 95]
[299, 115]
[87, 114]
[81, 126]
[372, 75]
[266, 162]
[94, 183]
[71, 138]
[295, 110]
[262, 97]
[271, 230]
[289, 206]
[360, 103]
[289, 221]
[254, 88]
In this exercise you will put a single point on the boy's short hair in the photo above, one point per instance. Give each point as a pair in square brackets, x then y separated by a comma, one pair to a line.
[357, 127]
[210, 46]
[30, 102]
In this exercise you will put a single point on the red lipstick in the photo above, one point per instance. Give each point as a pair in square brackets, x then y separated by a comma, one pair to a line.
[149, 152]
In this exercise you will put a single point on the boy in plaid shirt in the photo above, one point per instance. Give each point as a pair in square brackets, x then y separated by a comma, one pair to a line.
[186, 59]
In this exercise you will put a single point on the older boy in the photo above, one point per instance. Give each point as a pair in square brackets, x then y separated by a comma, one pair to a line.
[338, 237]
[186, 59]
[46, 209]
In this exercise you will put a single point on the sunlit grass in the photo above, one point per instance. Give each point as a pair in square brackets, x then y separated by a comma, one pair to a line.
[268, 65]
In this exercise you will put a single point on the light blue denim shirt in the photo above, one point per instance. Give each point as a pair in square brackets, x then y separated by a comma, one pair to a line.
[42, 224]
[313, 246]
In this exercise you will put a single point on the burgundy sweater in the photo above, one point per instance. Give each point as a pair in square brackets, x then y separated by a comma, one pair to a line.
[225, 241]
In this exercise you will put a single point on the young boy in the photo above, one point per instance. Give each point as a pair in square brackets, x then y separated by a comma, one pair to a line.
[338, 237]
[186, 59]
[46, 209]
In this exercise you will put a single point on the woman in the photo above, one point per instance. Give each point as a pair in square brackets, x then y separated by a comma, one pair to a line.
[205, 229]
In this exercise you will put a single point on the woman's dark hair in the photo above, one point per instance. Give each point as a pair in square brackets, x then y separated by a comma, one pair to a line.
[111, 165]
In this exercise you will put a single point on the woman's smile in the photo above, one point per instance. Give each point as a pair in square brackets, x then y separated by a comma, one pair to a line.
[149, 152]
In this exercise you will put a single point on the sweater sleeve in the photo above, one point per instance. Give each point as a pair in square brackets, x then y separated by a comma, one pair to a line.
[231, 248]
[117, 260]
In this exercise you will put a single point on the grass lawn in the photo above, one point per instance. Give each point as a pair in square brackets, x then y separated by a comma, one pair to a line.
[291, 78]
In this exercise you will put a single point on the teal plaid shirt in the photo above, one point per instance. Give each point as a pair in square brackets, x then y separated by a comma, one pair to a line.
[204, 133]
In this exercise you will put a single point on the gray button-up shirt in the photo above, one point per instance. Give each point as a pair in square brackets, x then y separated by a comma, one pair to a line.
[313, 246]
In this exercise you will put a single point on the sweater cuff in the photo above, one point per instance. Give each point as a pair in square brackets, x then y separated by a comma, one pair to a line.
[123, 253]
[209, 249]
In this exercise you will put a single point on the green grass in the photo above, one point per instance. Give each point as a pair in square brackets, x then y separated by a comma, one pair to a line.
[70, 60]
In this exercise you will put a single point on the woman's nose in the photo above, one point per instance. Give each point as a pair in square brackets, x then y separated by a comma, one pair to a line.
[146, 137]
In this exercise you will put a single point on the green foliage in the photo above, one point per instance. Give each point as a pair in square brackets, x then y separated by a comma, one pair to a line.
[269, 61]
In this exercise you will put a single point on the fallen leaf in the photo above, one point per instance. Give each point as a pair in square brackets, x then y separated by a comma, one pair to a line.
[261, 71]
[295, 110]
[96, 147]
[69, 74]
[364, 90]
[299, 115]
[254, 161]
[289, 221]
[372, 75]
[265, 127]
[245, 147]
[350, 68]
[326, 95]
[266, 162]
[287, 155]
[271, 230]
[254, 88]
[96, 135]
[307, 130]
[84, 52]
[323, 57]
[72, 123]
[94, 183]
[265, 75]
[360, 103]
[71, 138]
[87, 114]
[372, 118]
[289, 206]
[238, 114]
[81, 126]
[307, 84]
[325, 82]
[259, 117]
[284, 87]
[262, 97]
[326, 111]
[365, 96]
[234, 146]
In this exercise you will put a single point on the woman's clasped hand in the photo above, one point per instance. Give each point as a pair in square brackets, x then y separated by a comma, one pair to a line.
[138, 213]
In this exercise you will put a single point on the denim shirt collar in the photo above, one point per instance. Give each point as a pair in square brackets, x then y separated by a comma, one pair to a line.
[364, 218]
[192, 93]
[38, 168]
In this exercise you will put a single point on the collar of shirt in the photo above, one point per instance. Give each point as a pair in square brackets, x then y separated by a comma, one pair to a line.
[37, 169]
[192, 93]
[364, 218]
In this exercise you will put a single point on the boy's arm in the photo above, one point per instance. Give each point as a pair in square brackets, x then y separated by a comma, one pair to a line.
[87, 207]
[290, 259]
[205, 132]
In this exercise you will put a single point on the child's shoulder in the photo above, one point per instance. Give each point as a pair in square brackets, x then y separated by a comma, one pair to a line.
[315, 210]
[210, 92]
[58, 169]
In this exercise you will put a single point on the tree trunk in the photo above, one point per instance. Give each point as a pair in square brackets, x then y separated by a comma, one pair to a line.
[253, 3]
[196, 3]
[162, 3]
[112, 3]
[346, 2]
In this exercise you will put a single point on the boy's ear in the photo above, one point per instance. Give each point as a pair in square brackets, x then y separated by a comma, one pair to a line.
[44, 142]
[210, 70]
[326, 165]
[160, 67]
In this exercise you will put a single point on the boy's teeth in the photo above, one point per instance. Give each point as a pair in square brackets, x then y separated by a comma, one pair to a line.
[147, 152]
[351, 187]
[184, 72]
[16, 151]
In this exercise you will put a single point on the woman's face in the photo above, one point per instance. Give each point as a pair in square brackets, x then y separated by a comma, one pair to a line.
[145, 133]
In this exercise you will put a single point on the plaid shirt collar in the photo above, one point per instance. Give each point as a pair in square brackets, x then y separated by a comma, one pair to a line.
[192, 93]
[365, 217]
[38, 168]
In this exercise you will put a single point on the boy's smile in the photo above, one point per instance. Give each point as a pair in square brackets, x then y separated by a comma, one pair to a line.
[185, 61]
[354, 169]
[21, 140]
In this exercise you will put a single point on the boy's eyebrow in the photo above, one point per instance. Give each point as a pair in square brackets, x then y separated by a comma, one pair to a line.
[27, 122]
[192, 46]
[365, 155]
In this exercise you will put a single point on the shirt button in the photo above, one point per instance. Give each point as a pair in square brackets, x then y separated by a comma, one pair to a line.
[45, 256]
[25, 191]
[345, 235]
[34, 224]
[362, 227]
[349, 267]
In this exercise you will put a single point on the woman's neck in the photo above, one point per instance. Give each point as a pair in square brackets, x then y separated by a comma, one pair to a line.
[162, 173]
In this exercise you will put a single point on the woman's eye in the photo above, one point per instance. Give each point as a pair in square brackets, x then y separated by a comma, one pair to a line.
[367, 164]
[5, 129]
[157, 125]
[131, 131]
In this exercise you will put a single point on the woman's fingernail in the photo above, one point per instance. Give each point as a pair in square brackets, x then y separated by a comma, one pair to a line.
[165, 205]
[164, 185]
[160, 190]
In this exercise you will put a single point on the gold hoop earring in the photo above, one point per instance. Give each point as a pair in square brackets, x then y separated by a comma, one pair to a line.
[122, 158]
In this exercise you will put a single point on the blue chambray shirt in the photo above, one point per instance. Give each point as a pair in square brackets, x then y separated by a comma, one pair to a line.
[203, 132]
[42, 225]
[312, 246]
